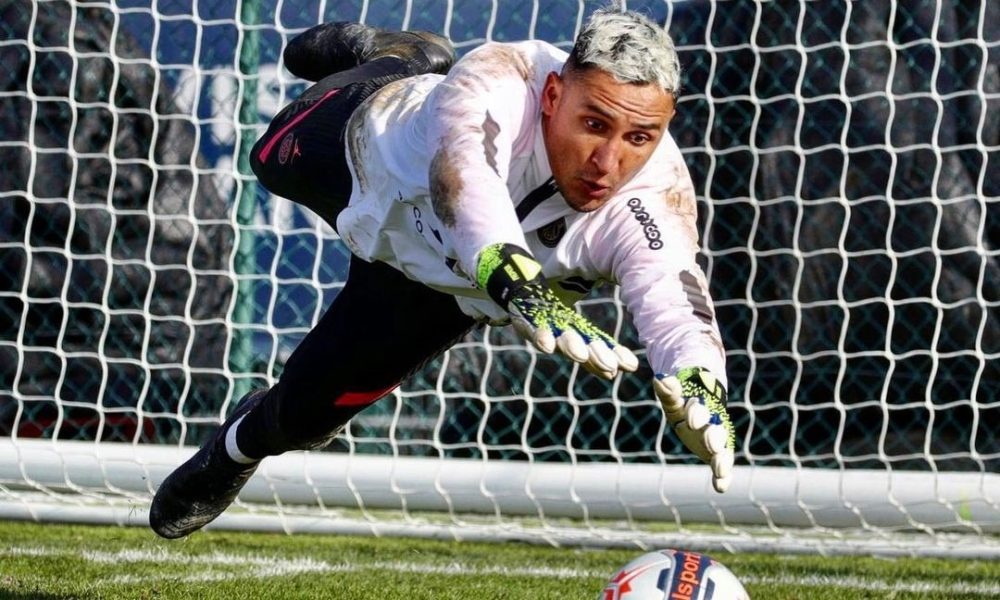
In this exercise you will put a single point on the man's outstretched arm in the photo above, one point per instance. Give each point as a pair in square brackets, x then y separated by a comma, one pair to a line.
[650, 247]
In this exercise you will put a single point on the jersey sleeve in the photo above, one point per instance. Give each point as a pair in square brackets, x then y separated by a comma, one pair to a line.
[650, 248]
[478, 113]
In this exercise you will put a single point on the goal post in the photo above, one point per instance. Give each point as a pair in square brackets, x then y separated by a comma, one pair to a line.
[599, 503]
[844, 156]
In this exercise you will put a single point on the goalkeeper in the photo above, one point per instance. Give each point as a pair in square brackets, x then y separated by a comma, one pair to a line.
[497, 189]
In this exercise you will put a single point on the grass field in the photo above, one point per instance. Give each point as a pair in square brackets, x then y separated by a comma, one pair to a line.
[64, 561]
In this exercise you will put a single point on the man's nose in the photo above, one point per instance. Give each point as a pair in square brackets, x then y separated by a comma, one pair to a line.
[606, 156]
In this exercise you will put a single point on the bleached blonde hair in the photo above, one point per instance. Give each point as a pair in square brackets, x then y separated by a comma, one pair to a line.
[630, 47]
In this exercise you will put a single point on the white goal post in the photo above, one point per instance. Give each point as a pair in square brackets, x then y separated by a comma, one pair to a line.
[845, 158]
[606, 504]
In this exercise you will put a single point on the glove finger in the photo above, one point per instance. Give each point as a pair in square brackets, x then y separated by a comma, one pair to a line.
[698, 415]
[716, 438]
[721, 484]
[627, 360]
[693, 441]
[593, 368]
[541, 338]
[602, 357]
[668, 390]
[722, 470]
[572, 346]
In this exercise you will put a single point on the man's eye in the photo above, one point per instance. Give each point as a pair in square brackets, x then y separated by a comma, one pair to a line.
[639, 138]
[593, 124]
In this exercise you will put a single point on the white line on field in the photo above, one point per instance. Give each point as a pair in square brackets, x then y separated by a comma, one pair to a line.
[859, 583]
[281, 566]
[261, 567]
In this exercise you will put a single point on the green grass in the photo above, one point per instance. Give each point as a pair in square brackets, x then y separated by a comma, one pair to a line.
[73, 561]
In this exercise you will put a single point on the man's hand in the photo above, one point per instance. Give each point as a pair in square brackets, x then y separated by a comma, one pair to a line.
[513, 280]
[695, 404]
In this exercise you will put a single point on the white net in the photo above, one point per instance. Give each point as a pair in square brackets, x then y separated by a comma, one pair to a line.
[845, 156]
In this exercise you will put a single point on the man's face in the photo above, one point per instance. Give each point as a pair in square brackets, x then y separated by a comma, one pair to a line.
[599, 132]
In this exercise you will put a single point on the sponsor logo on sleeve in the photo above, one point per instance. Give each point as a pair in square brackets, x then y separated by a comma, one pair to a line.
[649, 228]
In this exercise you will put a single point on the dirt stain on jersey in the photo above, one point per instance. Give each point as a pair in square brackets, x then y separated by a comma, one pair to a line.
[680, 200]
[498, 60]
[358, 133]
[491, 62]
[674, 200]
[446, 186]
[680, 196]
[357, 145]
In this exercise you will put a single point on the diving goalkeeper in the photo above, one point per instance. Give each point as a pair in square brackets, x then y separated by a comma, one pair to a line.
[499, 188]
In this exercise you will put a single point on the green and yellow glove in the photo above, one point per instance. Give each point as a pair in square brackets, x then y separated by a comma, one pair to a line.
[695, 405]
[513, 279]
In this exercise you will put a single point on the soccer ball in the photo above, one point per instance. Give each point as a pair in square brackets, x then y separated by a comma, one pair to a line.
[674, 575]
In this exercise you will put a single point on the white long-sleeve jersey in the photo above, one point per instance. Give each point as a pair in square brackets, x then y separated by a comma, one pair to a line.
[476, 134]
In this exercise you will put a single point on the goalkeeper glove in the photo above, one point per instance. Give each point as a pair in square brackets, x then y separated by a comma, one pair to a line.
[695, 405]
[513, 279]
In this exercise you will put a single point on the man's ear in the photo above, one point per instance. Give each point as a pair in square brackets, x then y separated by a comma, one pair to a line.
[551, 93]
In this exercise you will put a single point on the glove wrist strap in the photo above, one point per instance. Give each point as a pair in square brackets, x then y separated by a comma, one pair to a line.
[504, 270]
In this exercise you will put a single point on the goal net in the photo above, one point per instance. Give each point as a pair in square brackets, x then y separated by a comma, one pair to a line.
[845, 156]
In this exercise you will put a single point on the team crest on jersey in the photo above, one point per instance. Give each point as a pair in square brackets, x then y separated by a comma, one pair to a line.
[549, 235]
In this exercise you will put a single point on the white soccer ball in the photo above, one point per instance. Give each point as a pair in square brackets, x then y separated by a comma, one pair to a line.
[674, 575]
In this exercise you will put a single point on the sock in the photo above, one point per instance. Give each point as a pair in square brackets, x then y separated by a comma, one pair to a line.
[232, 449]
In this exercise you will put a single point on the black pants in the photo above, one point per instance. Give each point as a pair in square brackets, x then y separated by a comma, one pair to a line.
[382, 326]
